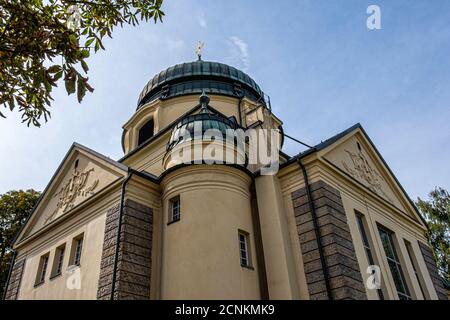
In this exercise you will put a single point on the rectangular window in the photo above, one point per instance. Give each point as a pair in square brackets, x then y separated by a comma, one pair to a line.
[243, 249]
[366, 244]
[394, 264]
[42, 269]
[174, 209]
[76, 250]
[58, 261]
[412, 258]
[79, 245]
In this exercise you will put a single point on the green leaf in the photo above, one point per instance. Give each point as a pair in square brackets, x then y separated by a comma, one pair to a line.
[54, 69]
[58, 75]
[70, 85]
[88, 87]
[85, 53]
[11, 103]
[48, 87]
[36, 123]
[89, 42]
[32, 77]
[81, 89]
[84, 66]
[73, 39]
[97, 45]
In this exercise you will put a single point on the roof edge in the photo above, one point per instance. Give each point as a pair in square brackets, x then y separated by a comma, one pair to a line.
[340, 135]
[47, 187]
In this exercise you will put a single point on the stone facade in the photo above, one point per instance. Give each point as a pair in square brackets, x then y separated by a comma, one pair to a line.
[345, 279]
[12, 290]
[432, 269]
[135, 250]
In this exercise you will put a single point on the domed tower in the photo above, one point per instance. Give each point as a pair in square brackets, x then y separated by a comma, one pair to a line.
[173, 92]
[205, 229]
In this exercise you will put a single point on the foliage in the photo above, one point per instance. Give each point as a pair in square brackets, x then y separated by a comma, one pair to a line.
[43, 41]
[15, 207]
[436, 212]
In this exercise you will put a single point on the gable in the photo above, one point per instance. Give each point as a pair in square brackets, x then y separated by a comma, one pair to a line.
[82, 174]
[355, 156]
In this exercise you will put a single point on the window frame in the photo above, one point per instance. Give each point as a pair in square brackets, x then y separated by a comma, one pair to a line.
[171, 216]
[144, 124]
[58, 261]
[415, 266]
[361, 224]
[394, 262]
[76, 250]
[246, 250]
[42, 269]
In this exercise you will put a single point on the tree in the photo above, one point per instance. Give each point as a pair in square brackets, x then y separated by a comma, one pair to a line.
[436, 212]
[43, 41]
[15, 207]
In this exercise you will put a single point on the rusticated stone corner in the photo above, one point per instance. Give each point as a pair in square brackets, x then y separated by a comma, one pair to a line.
[12, 289]
[134, 265]
[340, 258]
[433, 271]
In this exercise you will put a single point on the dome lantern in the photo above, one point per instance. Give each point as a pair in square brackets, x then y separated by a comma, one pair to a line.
[195, 124]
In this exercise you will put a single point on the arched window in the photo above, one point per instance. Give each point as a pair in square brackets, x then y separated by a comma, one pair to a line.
[146, 132]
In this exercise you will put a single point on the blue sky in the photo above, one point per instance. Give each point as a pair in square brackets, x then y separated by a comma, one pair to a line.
[323, 69]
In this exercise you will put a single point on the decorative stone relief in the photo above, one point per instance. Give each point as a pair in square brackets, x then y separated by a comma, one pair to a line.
[360, 169]
[75, 188]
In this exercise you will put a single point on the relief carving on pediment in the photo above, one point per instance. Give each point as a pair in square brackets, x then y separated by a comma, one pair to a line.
[361, 169]
[77, 187]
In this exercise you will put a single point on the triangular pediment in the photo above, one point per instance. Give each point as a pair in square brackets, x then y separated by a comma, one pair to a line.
[356, 157]
[82, 174]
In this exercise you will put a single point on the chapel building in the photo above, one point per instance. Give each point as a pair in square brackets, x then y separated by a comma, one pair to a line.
[326, 224]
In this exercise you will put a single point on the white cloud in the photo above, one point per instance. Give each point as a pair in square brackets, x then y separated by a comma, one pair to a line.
[239, 52]
[175, 44]
[202, 22]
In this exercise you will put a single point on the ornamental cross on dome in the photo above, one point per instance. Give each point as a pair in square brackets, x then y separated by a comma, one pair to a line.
[198, 49]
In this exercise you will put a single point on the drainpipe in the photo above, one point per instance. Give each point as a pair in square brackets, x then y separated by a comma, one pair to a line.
[239, 109]
[119, 229]
[316, 230]
[9, 274]
[262, 274]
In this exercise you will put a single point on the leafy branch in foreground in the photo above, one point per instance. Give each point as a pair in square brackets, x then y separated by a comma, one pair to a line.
[15, 207]
[436, 212]
[42, 42]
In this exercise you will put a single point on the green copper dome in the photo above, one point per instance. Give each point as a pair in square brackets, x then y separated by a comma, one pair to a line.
[195, 77]
[197, 124]
[204, 121]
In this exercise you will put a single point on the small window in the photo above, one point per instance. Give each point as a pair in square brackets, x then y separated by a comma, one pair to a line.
[42, 269]
[174, 209]
[413, 260]
[366, 244]
[394, 264]
[146, 132]
[58, 261]
[244, 253]
[76, 250]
